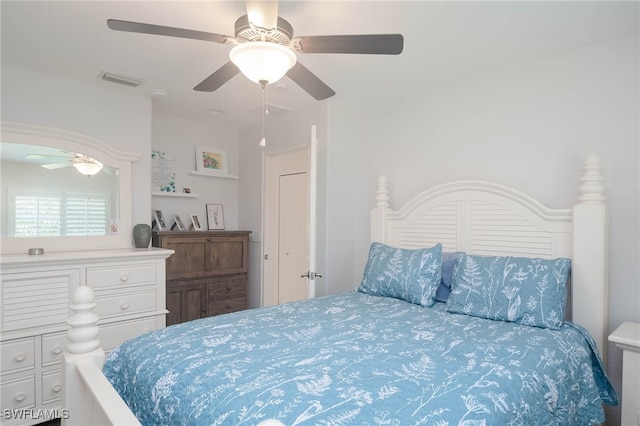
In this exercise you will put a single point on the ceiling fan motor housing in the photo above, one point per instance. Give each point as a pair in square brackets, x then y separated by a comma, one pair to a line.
[245, 31]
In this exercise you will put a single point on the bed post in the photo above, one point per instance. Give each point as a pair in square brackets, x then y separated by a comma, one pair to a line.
[379, 212]
[83, 343]
[88, 397]
[590, 253]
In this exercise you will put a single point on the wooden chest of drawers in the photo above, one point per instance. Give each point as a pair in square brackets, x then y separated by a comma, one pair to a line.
[207, 275]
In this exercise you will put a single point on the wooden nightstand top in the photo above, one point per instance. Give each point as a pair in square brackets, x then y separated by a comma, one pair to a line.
[627, 336]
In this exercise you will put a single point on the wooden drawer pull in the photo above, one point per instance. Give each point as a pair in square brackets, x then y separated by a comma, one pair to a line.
[229, 288]
[57, 350]
[20, 357]
[20, 397]
[124, 278]
[124, 306]
[57, 388]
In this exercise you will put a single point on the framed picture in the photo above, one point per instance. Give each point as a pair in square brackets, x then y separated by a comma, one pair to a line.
[178, 223]
[195, 222]
[215, 216]
[211, 161]
[158, 221]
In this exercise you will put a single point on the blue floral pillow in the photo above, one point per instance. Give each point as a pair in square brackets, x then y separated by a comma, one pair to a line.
[411, 275]
[525, 290]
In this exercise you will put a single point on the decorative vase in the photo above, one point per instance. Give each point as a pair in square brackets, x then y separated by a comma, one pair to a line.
[141, 235]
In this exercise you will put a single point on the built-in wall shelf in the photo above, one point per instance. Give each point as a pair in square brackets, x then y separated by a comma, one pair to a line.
[175, 194]
[195, 172]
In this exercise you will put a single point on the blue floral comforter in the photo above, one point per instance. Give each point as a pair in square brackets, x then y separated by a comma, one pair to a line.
[356, 359]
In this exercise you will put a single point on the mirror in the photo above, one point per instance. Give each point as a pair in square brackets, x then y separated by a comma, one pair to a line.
[62, 191]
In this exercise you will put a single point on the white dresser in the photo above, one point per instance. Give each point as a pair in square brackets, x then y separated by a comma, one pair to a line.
[129, 285]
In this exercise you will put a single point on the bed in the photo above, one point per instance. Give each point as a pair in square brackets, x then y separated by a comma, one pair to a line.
[460, 318]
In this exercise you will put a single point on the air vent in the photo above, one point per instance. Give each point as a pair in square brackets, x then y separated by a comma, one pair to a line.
[272, 108]
[120, 79]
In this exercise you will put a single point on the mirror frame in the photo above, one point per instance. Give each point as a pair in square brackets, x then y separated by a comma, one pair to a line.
[57, 138]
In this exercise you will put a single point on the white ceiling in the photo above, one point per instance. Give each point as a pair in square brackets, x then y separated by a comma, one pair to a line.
[444, 41]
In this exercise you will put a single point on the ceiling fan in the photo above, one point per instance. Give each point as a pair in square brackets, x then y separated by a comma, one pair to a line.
[264, 48]
[83, 163]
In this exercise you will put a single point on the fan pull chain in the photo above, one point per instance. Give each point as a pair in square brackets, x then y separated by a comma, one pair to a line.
[265, 111]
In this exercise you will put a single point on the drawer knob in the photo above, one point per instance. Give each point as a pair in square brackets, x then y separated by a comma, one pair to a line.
[57, 350]
[20, 397]
[228, 288]
[57, 388]
[20, 357]
[124, 305]
[124, 278]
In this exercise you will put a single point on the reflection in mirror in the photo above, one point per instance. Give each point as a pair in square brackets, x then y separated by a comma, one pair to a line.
[50, 192]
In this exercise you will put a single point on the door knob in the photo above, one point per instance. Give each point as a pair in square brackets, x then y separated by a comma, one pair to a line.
[311, 275]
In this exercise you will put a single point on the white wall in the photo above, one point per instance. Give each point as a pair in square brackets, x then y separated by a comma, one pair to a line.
[179, 137]
[120, 118]
[528, 127]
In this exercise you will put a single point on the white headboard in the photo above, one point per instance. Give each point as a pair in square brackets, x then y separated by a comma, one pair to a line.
[490, 219]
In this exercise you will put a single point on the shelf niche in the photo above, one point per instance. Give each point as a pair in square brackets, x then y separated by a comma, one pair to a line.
[174, 194]
[195, 172]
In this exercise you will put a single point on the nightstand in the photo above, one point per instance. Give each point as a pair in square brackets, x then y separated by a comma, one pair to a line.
[627, 338]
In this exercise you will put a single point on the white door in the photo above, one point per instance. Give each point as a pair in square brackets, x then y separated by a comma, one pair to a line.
[293, 256]
[289, 229]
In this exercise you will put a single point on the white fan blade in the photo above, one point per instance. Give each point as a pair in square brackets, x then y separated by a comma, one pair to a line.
[52, 166]
[45, 157]
[263, 14]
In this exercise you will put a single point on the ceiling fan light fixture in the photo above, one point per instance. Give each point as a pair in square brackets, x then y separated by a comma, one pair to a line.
[88, 168]
[263, 60]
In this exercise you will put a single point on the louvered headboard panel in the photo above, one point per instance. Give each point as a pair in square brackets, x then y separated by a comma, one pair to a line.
[481, 218]
[495, 230]
[437, 225]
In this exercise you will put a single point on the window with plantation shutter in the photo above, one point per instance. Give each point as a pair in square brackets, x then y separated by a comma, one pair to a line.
[85, 214]
[38, 215]
[52, 214]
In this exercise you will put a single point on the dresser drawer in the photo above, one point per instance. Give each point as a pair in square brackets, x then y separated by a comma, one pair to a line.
[227, 288]
[17, 355]
[121, 275]
[52, 387]
[125, 304]
[219, 307]
[112, 335]
[52, 347]
[20, 393]
[36, 299]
